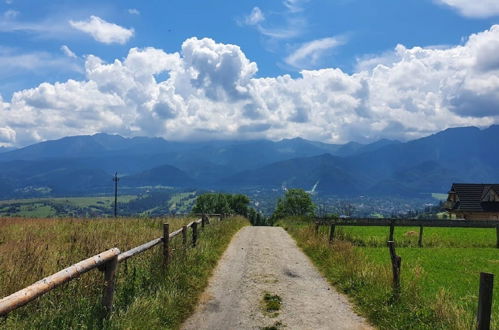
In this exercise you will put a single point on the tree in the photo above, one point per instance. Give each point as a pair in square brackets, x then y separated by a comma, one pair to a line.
[296, 202]
[239, 204]
[219, 203]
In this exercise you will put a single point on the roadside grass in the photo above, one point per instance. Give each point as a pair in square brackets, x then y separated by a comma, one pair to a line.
[146, 295]
[439, 281]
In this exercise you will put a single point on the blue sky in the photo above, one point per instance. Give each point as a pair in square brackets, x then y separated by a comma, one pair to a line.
[248, 80]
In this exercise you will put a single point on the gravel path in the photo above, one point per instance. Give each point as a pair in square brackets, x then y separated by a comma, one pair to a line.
[263, 260]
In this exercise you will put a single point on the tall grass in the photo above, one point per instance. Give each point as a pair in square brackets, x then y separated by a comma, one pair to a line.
[146, 295]
[439, 284]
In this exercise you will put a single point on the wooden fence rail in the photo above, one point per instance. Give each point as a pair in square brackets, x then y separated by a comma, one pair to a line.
[24, 296]
[392, 223]
[107, 262]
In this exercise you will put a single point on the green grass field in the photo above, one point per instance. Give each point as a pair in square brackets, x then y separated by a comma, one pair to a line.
[439, 281]
[64, 206]
[157, 203]
[146, 296]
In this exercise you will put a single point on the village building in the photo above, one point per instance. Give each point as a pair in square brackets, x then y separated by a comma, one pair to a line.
[473, 201]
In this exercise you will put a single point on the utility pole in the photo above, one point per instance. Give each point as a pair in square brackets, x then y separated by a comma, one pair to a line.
[116, 179]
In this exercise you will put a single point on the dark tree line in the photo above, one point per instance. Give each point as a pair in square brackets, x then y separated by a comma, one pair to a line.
[220, 203]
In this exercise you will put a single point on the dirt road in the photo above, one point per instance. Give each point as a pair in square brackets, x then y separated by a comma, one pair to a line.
[263, 260]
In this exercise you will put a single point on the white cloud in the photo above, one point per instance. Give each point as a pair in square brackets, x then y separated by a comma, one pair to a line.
[68, 52]
[133, 11]
[294, 5]
[256, 16]
[12, 61]
[291, 22]
[10, 14]
[309, 54]
[477, 8]
[103, 31]
[211, 91]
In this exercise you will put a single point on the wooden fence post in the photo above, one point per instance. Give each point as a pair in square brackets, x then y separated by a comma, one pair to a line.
[109, 282]
[392, 230]
[485, 301]
[184, 235]
[396, 264]
[194, 234]
[203, 219]
[331, 233]
[420, 239]
[166, 244]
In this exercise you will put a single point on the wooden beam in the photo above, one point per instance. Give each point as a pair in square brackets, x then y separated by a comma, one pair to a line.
[24, 296]
[139, 249]
[110, 270]
[396, 264]
[411, 222]
[420, 239]
[166, 244]
[194, 233]
[485, 301]
[331, 233]
[392, 230]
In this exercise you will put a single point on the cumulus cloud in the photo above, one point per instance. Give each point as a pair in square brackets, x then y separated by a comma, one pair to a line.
[103, 31]
[210, 90]
[478, 9]
[310, 53]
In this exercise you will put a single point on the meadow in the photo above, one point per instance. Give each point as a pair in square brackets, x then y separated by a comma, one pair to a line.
[146, 296]
[60, 206]
[439, 281]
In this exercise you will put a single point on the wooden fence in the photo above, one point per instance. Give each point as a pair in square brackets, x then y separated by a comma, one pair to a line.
[486, 280]
[421, 223]
[107, 262]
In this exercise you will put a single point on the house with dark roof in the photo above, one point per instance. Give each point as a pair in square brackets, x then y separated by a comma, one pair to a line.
[473, 201]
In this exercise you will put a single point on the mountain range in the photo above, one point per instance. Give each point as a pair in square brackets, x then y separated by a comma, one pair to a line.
[84, 165]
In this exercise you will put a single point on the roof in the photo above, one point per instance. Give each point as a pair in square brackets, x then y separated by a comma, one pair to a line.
[475, 197]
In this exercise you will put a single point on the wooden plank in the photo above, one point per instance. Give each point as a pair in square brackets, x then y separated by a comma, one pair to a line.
[420, 238]
[184, 235]
[45, 285]
[166, 244]
[396, 264]
[331, 233]
[175, 233]
[109, 282]
[412, 222]
[207, 214]
[139, 249]
[485, 301]
[194, 234]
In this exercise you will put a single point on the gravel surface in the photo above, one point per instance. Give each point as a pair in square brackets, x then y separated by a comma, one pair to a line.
[263, 260]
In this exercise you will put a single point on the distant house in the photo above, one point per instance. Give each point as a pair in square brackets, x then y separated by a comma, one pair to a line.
[472, 201]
